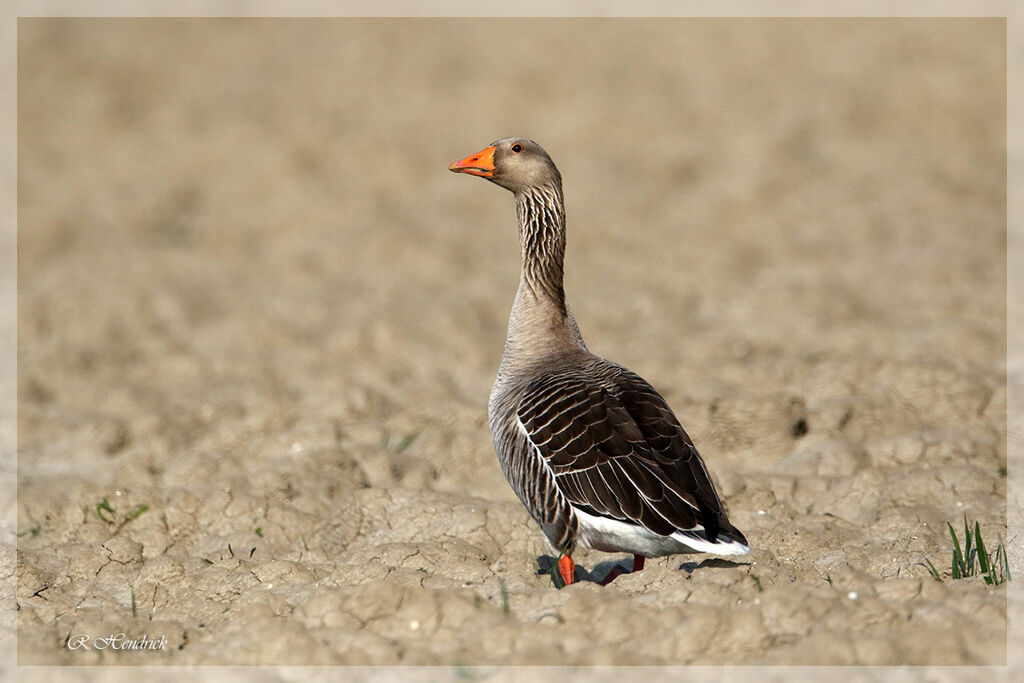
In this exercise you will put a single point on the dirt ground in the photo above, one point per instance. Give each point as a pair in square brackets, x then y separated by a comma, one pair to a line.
[258, 321]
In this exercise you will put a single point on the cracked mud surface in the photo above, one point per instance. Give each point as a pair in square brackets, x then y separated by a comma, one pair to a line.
[260, 320]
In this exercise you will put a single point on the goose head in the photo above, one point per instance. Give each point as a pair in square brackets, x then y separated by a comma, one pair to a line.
[517, 164]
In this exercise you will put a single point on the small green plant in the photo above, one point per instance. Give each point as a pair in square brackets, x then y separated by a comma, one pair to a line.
[135, 513]
[104, 507]
[973, 559]
[407, 440]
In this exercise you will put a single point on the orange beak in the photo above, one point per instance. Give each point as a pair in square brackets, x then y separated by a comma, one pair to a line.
[481, 164]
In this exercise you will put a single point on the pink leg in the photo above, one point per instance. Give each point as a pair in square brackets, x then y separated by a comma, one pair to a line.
[638, 564]
[616, 570]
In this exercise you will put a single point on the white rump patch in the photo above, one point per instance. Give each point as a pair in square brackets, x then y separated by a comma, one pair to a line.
[612, 535]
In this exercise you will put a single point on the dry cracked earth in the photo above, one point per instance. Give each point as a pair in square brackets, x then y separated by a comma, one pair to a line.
[258, 321]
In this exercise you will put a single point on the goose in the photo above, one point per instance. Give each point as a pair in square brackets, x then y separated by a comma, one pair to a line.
[591, 449]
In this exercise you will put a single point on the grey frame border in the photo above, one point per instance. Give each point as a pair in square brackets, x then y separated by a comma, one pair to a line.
[1012, 12]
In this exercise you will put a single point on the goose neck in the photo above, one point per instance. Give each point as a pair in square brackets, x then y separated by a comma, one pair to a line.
[541, 215]
[540, 325]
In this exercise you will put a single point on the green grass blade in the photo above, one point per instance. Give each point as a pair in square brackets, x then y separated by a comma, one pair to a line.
[504, 595]
[927, 564]
[969, 552]
[958, 556]
[982, 553]
[134, 514]
[102, 506]
[1000, 566]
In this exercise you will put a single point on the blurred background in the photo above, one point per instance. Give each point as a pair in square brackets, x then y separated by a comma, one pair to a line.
[244, 266]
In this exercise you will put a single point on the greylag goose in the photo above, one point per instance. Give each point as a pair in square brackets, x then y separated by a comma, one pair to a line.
[591, 449]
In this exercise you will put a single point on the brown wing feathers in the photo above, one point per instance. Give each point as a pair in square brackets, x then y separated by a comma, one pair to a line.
[674, 451]
[617, 450]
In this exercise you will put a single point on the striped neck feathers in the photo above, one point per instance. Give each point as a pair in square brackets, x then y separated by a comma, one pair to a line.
[541, 216]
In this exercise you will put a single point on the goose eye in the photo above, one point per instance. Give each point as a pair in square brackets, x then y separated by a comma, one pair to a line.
[517, 148]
